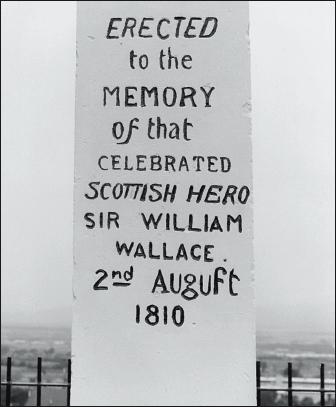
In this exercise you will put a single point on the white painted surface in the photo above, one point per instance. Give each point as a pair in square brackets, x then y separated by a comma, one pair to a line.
[210, 359]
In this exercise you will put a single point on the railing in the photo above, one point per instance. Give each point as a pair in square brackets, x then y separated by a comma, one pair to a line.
[38, 384]
[290, 389]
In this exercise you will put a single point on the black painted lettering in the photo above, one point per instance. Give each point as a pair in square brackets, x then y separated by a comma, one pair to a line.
[159, 27]
[211, 193]
[218, 280]
[230, 193]
[130, 130]
[102, 190]
[188, 93]
[176, 228]
[150, 252]
[96, 194]
[128, 275]
[151, 124]
[186, 124]
[177, 309]
[202, 285]
[192, 252]
[243, 195]
[137, 314]
[151, 220]
[207, 95]
[172, 282]
[170, 161]
[207, 252]
[111, 28]
[116, 273]
[132, 56]
[232, 276]
[88, 217]
[171, 193]
[162, 55]
[174, 133]
[115, 162]
[205, 26]
[186, 58]
[96, 285]
[100, 164]
[153, 188]
[183, 164]
[178, 25]
[165, 315]
[116, 90]
[144, 27]
[211, 163]
[189, 293]
[143, 61]
[165, 255]
[215, 225]
[124, 248]
[117, 191]
[191, 227]
[129, 96]
[190, 27]
[167, 221]
[153, 311]
[126, 168]
[155, 163]
[130, 23]
[198, 158]
[139, 251]
[140, 160]
[117, 130]
[225, 164]
[160, 126]
[231, 219]
[112, 217]
[144, 193]
[206, 223]
[172, 96]
[160, 283]
[197, 194]
[149, 92]
[172, 58]
[181, 253]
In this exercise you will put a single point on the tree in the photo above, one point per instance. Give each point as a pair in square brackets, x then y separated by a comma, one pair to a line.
[263, 366]
[19, 396]
[295, 372]
[268, 398]
[307, 401]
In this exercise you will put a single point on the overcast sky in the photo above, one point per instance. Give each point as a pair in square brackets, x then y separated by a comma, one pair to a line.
[293, 53]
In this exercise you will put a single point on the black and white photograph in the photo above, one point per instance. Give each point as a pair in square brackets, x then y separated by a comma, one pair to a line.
[168, 203]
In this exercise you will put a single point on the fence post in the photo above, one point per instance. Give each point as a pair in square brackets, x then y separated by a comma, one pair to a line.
[290, 384]
[9, 379]
[69, 382]
[39, 380]
[258, 383]
[322, 384]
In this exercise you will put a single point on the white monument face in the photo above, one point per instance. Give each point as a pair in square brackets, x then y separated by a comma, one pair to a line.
[163, 308]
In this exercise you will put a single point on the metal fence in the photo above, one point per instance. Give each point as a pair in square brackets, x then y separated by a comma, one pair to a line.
[38, 384]
[290, 389]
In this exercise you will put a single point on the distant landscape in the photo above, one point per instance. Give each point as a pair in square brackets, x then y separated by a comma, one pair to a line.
[24, 344]
[275, 348]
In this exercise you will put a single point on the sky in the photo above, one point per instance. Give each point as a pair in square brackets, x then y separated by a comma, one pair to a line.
[293, 82]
